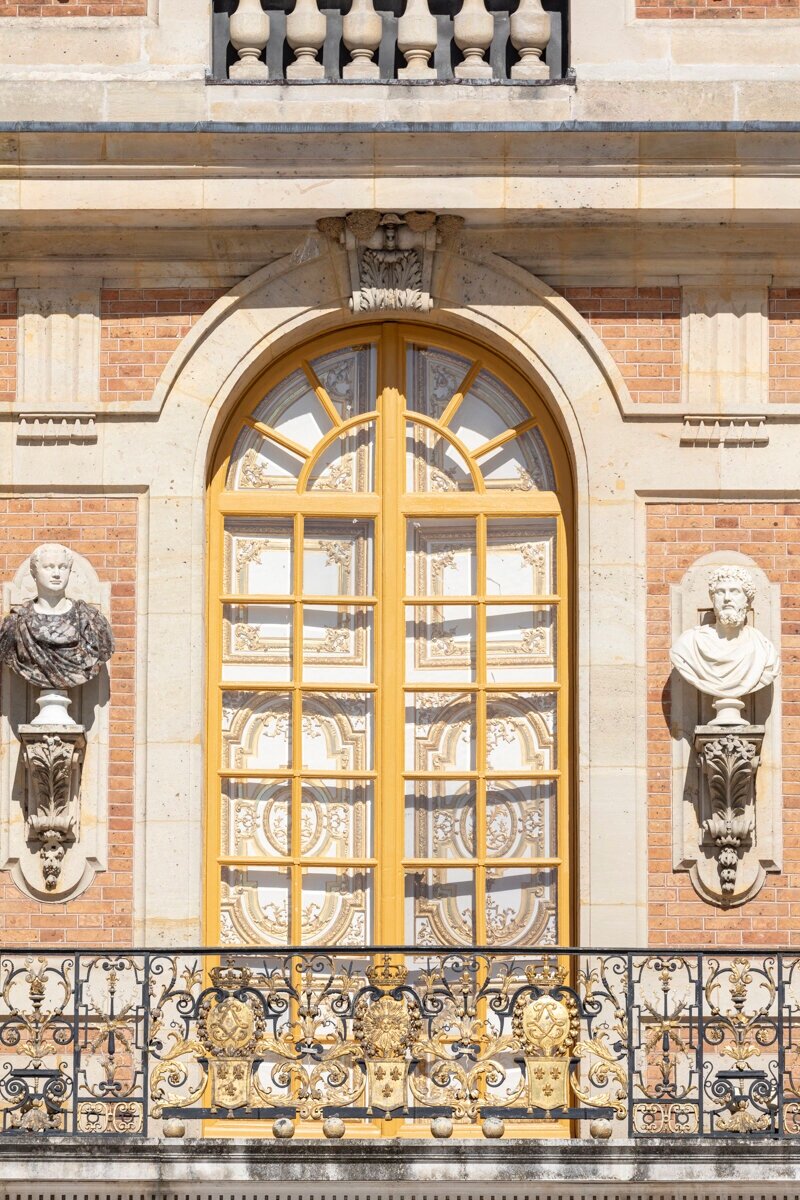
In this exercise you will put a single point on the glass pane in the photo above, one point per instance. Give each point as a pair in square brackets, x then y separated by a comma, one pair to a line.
[254, 906]
[522, 465]
[488, 409]
[337, 644]
[521, 640]
[520, 731]
[256, 731]
[521, 907]
[347, 464]
[337, 906]
[337, 558]
[440, 907]
[521, 557]
[292, 408]
[433, 464]
[258, 463]
[337, 731]
[257, 642]
[336, 818]
[440, 558]
[348, 377]
[440, 819]
[434, 376]
[521, 818]
[440, 644]
[256, 817]
[440, 732]
[257, 557]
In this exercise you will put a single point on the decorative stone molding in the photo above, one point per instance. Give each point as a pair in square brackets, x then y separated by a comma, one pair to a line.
[58, 334]
[390, 256]
[712, 430]
[725, 346]
[57, 429]
[53, 841]
[712, 809]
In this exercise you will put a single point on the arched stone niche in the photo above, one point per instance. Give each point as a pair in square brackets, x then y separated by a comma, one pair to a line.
[89, 707]
[690, 606]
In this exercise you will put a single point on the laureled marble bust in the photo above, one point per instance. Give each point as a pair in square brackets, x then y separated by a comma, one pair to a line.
[52, 641]
[728, 659]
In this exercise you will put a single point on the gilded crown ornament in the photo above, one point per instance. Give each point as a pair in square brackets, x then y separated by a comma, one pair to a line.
[387, 974]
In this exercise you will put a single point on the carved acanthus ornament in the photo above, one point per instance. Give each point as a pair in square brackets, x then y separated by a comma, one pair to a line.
[729, 765]
[390, 256]
[53, 760]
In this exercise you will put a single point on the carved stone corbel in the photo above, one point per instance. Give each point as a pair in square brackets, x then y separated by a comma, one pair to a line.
[53, 756]
[390, 256]
[729, 762]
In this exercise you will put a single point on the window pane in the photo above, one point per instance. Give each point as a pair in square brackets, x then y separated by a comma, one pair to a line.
[337, 906]
[254, 906]
[440, 907]
[256, 817]
[256, 731]
[337, 643]
[337, 731]
[433, 378]
[347, 464]
[348, 377]
[440, 819]
[521, 818]
[257, 642]
[520, 731]
[433, 464]
[521, 557]
[521, 465]
[520, 907]
[488, 410]
[440, 644]
[337, 558]
[521, 641]
[440, 732]
[336, 818]
[258, 463]
[292, 408]
[257, 557]
[441, 558]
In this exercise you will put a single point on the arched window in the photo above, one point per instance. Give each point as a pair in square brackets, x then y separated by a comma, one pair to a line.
[389, 639]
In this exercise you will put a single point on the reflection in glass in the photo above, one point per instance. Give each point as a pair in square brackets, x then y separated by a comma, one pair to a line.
[440, 643]
[440, 732]
[347, 464]
[520, 907]
[337, 731]
[433, 378]
[337, 643]
[440, 907]
[521, 818]
[254, 906]
[440, 558]
[256, 642]
[256, 730]
[336, 818]
[521, 557]
[256, 817]
[440, 818]
[520, 731]
[337, 558]
[433, 464]
[257, 557]
[521, 641]
[336, 906]
[348, 376]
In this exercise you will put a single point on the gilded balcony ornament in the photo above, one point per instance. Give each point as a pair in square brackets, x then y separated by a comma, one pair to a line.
[547, 1025]
[385, 1028]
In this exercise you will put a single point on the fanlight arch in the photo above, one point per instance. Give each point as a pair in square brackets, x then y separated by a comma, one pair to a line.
[389, 691]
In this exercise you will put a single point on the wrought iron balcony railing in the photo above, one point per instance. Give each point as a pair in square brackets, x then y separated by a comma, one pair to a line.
[382, 41]
[633, 1043]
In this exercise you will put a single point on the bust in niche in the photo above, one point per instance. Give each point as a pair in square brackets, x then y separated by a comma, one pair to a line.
[52, 641]
[728, 658]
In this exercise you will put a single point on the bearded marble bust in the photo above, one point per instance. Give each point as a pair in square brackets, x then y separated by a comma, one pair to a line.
[52, 641]
[729, 658]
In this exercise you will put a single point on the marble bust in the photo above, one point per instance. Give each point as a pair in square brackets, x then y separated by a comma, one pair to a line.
[728, 659]
[52, 641]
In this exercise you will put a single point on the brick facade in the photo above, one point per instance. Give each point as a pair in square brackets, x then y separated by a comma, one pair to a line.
[677, 535]
[8, 344]
[705, 10]
[784, 345]
[104, 529]
[641, 327]
[74, 8]
[140, 330]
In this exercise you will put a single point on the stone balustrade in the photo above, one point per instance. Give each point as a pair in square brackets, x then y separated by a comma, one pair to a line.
[435, 41]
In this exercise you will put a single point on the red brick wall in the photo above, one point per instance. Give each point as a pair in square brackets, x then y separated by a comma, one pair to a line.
[73, 8]
[784, 345]
[8, 344]
[141, 327]
[104, 529]
[678, 534]
[641, 328]
[704, 10]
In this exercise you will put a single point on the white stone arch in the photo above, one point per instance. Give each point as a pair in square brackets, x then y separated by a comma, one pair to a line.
[261, 318]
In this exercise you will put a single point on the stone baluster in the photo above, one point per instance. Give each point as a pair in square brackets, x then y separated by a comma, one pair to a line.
[305, 33]
[416, 40]
[530, 33]
[473, 29]
[249, 33]
[361, 33]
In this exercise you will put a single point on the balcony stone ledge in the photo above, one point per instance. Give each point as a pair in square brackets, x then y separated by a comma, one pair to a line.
[92, 1168]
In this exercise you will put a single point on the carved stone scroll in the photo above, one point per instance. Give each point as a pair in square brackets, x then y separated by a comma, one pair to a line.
[390, 256]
